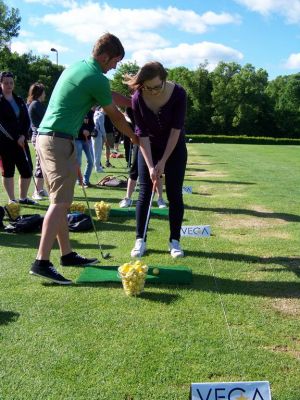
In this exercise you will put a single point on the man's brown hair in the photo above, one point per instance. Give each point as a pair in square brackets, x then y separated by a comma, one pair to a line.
[110, 45]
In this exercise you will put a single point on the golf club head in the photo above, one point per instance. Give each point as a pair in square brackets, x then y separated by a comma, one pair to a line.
[105, 256]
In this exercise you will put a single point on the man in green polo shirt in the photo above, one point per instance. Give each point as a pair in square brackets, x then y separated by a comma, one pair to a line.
[80, 87]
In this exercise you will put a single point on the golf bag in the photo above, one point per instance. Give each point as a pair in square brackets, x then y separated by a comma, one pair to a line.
[25, 224]
[113, 181]
[79, 222]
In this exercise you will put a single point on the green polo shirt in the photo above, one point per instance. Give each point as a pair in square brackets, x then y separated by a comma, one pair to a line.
[80, 86]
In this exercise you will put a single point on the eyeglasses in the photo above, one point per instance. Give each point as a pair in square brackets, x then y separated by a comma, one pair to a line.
[154, 88]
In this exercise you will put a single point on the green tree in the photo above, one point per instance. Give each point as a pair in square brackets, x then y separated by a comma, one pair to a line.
[9, 24]
[284, 92]
[240, 103]
[223, 102]
[198, 88]
[117, 84]
[28, 69]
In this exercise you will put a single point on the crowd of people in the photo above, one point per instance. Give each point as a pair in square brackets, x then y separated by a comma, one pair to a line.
[83, 116]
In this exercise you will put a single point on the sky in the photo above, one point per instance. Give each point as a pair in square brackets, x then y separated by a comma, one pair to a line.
[264, 33]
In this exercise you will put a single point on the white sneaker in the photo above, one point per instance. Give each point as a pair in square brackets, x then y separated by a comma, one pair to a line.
[139, 248]
[43, 193]
[125, 203]
[161, 203]
[37, 196]
[175, 249]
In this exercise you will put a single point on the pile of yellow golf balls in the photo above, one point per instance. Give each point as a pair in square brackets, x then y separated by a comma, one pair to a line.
[79, 207]
[12, 210]
[133, 277]
[102, 210]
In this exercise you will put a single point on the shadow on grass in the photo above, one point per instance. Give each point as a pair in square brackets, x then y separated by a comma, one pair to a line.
[277, 289]
[165, 298]
[19, 240]
[7, 317]
[291, 264]
[195, 169]
[225, 182]
[259, 214]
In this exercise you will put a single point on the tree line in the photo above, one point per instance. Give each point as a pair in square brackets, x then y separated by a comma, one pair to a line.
[230, 100]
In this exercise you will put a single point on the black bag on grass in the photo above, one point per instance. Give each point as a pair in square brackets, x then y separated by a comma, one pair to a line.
[79, 222]
[2, 213]
[25, 224]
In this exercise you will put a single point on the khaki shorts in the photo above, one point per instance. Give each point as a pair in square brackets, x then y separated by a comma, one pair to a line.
[59, 166]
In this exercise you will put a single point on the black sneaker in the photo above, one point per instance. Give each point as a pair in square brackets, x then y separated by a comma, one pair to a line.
[46, 270]
[108, 164]
[28, 202]
[75, 259]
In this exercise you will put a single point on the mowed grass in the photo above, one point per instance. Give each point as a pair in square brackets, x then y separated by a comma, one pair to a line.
[238, 320]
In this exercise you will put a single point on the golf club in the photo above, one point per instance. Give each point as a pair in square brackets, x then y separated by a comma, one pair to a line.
[30, 168]
[149, 210]
[105, 256]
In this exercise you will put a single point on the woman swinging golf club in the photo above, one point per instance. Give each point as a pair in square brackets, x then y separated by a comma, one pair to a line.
[159, 108]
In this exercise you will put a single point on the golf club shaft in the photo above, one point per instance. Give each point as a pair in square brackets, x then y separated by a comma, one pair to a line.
[90, 212]
[30, 169]
[149, 210]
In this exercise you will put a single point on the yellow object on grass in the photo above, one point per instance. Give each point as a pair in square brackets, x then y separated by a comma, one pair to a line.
[12, 210]
[102, 210]
[77, 206]
[133, 277]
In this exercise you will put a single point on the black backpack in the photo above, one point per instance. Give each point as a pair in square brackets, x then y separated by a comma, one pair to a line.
[2, 213]
[79, 222]
[25, 224]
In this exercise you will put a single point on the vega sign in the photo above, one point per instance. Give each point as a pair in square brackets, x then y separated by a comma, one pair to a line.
[259, 390]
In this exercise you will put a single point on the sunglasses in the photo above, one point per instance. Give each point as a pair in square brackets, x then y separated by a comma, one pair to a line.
[154, 88]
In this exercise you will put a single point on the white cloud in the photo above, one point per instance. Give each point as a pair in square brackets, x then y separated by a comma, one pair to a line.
[135, 27]
[289, 9]
[293, 62]
[53, 3]
[189, 55]
[24, 33]
[39, 46]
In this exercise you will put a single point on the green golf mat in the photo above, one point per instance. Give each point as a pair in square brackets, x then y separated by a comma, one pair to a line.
[130, 212]
[170, 275]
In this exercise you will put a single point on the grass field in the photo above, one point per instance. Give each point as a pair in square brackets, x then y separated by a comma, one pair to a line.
[239, 320]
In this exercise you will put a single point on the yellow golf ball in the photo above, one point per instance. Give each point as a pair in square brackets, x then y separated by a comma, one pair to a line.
[155, 271]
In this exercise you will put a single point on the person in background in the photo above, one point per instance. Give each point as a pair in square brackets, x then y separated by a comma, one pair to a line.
[83, 144]
[78, 88]
[14, 153]
[109, 141]
[36, 110]
[98, 138]
[159, 108]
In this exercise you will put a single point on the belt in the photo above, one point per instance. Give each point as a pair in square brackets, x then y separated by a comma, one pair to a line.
[57, 134]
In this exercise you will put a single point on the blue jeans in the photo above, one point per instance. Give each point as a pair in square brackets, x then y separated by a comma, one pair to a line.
[85, 146]
[174, 177]
[97, 151]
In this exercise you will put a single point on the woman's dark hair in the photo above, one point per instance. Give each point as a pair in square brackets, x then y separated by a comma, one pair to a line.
[110, 45]
[35, 91]
[6, 74]
[149, 71]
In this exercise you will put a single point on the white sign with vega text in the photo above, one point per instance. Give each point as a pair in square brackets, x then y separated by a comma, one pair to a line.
[187, 190]
[259, 390]
[195, 231]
